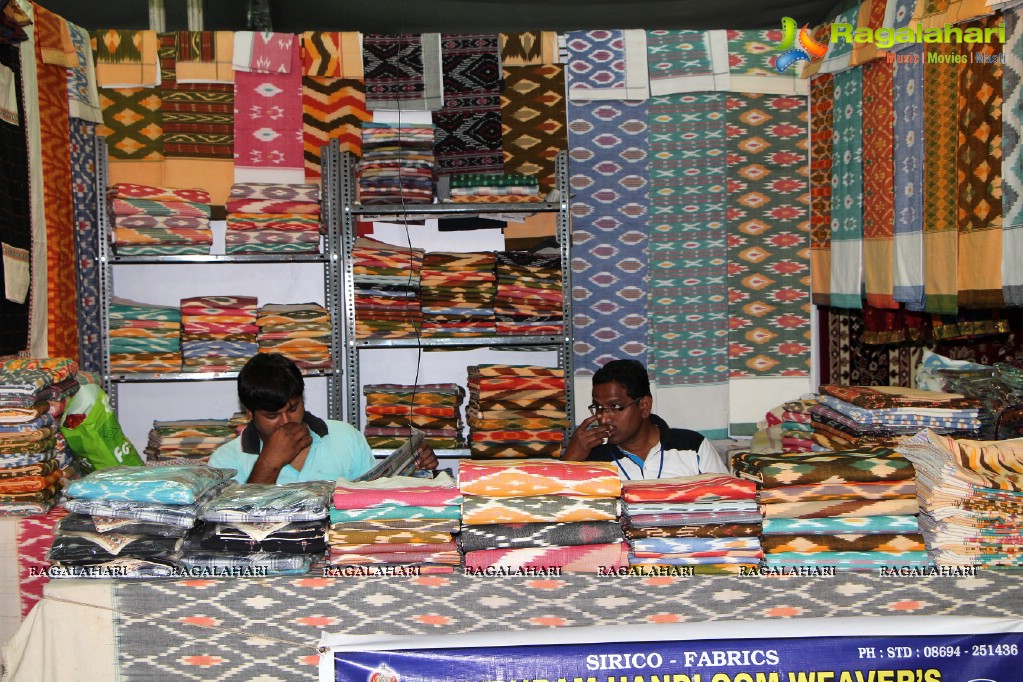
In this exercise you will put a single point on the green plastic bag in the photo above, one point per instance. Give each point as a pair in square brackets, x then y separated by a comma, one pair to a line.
[98, 440]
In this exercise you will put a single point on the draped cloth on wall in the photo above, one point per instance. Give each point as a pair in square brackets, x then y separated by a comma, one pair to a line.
[62, 315]
[848, 361]
[533, 120]
[769, 269]
[687, 61]
[687, 249]
[609, 156]
[83, 184]
[15, 219]
[878, 184]
[1012, 160]
[908, 161]
[331, 108]
[847, 192]
[979, 174]
[822, 121]
[403, 72]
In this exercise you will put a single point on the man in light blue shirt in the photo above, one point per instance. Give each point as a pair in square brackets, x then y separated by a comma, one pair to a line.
[283, 443]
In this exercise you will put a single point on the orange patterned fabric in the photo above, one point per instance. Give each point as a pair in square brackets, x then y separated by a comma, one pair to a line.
[878, 185]
[822, 121]
[530, 477]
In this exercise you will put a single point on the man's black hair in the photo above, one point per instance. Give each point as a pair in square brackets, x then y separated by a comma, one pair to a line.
[629, 373]
[268, 381]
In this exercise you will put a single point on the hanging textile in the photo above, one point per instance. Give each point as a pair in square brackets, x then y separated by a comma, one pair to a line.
[908, 160]
[979, 172]
[751, 61]
[15, 220]
[533, 120]
[530, 48]
[83, 185]
[687, 61]
[83, 95]
[847, 360]
[126, 58]
[822, 121]
[608, 143]
[1012, 160]
[847, 193]
[403, 72]
[878, 183]
[198, 118]
[872, 16]
[332, 108]
[329, 54]
[607, 65]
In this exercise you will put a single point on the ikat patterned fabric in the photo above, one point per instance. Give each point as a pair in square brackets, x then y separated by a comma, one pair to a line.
[533, 120]
[539, 477]
[847, 191]
[687, 61]
[570, 559]
[197, 118]
[787, 469]
[517, 535]
[1012, 159]
[878, 184]
[481, 511]
[908, 160]
[403, 72]
[182, 485]
[822, 143]
[607, 65]
[701, 488]
[83, 188]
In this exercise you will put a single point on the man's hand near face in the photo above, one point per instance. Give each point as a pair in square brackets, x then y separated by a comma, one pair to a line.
[287, 443]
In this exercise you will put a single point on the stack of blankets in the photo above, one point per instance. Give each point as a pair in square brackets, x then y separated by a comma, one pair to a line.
[397, 164]
[541, 514]
[218, 332]
[273, 218]
[184, 441]
[849, 510]
[299, 331]
[786, 428]
[130, 522]
[971, 498]
[34, 459]
[850, 416]
[156, 221]
[434, 409]
[273, 529]
[495, 187]
[400, 521]
[515, 411]
[708, 523]
[529, 295]
[144, 337]
[386, 280]
[457, 294]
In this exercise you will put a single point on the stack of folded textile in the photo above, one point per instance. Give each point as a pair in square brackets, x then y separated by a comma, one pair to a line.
[397, 164]
[529, 296]
[130, 522]
[541, 514]
[184, 441]
[708, 522]
[299, 331]
[786, 428]
[971, 498]
[846, 485]
[495, 187]
[273, 218]
[851, 416]
[515, 411]
[156, 221]
[434, 409]
[457, 294]
[386, 280]
[144, 337]
[30, 464]
[271, 529]
[396, 521]
[218, 332]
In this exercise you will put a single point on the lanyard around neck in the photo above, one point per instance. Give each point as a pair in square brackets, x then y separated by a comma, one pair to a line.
[618, 460]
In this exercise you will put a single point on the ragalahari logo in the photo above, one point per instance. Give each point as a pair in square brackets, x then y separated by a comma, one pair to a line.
[797, 46]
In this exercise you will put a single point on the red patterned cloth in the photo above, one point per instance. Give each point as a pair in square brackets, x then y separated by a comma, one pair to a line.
[272, 206]
[420, 496]
[34, 536]
[529, 477]
[127, 190]
[702, 488]
[571, 559]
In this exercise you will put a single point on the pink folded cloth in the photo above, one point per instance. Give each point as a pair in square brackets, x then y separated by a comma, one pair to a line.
[272, 206]
[571, 559]
[417, 496]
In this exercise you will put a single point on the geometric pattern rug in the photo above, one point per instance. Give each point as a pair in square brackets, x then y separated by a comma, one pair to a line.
[244, 628]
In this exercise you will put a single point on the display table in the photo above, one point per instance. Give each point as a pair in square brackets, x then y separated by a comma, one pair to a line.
[248, 628]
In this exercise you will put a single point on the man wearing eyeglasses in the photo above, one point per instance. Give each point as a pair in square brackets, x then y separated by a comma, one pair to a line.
[622, 429]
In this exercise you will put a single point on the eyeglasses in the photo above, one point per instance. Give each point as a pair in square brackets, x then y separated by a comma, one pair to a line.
[597, 410]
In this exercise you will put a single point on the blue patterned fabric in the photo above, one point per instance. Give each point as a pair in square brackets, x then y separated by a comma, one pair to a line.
[609, 153]
[908, 101]
[163, 485]
[596, 60]
[83, 194]
[837, 525]
[904, 10]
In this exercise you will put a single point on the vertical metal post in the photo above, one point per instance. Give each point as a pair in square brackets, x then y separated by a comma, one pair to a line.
[106, 285]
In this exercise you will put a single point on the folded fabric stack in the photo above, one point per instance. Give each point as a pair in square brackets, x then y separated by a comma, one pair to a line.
[144, 337]
[541, 514]
[786, 428]
[184, 441]
[397, 164]
[273, 218]
[515, 411]
[30, 461]
[300, 331]
[218, 332]
[708, 522]
[398, 521]
[457, 293]
[270, 529]
[502, 188]
[386, 280]
[850, 416]
[130, 522]
[529, 296]
[157, 221]
[434, 409]
[971, 498]
[845, 491]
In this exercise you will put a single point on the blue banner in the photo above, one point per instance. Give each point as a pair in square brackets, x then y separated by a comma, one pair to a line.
[931, 658]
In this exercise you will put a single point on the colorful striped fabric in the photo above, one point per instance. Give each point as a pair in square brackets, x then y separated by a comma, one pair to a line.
[848, 507]
[571, 559]
[787, 469]
[349, 497]
[701, 488]
[538, 477]
[481, 511]
[849, 561]
[869, 542]
[881, 490]
[841, 525]
[514, 535]
[708, 530]
[127, 190]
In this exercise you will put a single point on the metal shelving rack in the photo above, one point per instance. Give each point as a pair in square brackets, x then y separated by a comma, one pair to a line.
[107, 259]
[351, 211]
